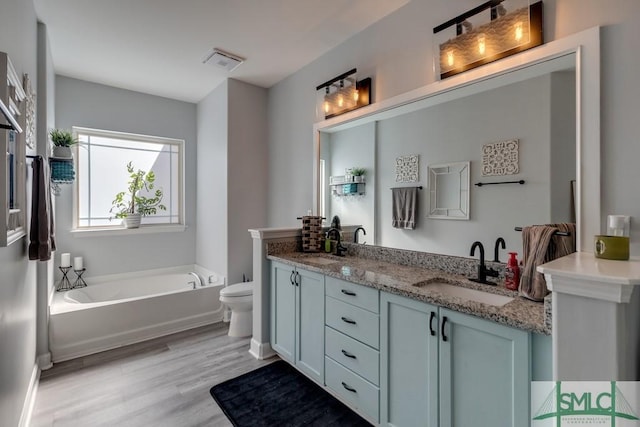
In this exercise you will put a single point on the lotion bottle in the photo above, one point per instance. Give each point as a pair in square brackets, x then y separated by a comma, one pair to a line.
[512, 275]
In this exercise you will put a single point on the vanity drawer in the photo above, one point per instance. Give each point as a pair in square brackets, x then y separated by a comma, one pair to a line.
[358, 295]
[353, 321]
[360, 358]
[359, 392]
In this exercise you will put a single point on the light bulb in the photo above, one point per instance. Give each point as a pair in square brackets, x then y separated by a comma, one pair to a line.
[340, 101]
[518, 31]
[355, 95]
[482, 47]
[326, 106]
[450, 58]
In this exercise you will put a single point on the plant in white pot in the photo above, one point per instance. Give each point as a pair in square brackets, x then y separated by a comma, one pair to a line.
[358, 174]
[62, 141]
[130, 205]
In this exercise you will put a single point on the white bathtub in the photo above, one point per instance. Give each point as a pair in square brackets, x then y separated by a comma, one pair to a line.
[116, 311]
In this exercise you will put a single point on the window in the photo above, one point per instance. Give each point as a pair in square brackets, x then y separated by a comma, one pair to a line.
[102, 158]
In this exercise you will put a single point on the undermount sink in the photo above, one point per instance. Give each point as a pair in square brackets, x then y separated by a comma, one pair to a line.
[443, 287]
[321, 260]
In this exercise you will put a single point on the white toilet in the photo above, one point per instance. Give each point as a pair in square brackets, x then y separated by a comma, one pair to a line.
[239, 299]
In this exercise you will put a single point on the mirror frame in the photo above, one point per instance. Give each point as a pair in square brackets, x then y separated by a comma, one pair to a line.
[463, 170]
[585, 45]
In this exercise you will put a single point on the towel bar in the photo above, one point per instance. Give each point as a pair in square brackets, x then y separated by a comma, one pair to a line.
[557, 233]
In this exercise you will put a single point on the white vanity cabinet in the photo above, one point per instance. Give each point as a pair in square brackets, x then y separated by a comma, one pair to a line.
[443, 368]
[297, 318]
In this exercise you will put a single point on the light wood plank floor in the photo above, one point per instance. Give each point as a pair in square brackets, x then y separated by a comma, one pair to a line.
[162, 382]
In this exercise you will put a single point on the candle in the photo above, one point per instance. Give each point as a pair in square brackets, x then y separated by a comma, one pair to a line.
[65, 260]
[77, 263]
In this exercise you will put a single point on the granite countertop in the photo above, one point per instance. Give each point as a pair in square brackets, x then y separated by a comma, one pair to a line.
[402, 280]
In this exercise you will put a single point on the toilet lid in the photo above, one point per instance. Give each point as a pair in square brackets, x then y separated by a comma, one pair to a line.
[238, 290]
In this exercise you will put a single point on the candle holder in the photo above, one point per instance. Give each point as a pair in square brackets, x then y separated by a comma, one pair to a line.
[64, 284]
[79, 283]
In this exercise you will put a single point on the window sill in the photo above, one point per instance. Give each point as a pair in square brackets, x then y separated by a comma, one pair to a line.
[118, 231]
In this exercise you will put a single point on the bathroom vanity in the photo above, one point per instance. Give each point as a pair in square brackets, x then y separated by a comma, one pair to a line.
[406, 345]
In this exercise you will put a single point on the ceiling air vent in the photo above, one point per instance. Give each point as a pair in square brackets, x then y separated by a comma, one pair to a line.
[222, 59]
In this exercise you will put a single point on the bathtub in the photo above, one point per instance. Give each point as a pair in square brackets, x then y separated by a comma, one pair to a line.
[113, 311]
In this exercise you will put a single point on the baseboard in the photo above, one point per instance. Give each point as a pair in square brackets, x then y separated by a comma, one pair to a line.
[261, 351]
[87, 347]
[30, 398]
[44, 361]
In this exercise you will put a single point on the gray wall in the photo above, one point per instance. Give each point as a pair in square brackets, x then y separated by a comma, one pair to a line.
[211, 240]
[397, 53]
[18, 293]
[81, 103]
[455, 132]
[232, 177]
[354, 147]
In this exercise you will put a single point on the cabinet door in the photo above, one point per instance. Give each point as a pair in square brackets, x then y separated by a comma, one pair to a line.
[310, 322]
[283, 310]
[484, 373]
[408, 362]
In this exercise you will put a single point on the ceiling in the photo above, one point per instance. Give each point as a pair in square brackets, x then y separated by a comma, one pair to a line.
[157, 46]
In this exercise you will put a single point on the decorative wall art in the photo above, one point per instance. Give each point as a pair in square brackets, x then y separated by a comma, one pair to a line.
[30, 113]
[500, 158]
[408, 168]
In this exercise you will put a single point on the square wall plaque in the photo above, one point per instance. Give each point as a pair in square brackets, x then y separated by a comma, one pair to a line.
[408, 168]
[500, 158]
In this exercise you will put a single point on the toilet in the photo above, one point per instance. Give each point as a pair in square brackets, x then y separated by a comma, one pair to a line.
[239, 299]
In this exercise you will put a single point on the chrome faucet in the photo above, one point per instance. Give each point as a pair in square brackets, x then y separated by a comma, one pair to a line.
[483, 271]
[340, 250]
[355, 234]
[499, 242]
[198, 281]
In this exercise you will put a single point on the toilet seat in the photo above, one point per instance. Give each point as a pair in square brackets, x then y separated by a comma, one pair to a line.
[237, 290]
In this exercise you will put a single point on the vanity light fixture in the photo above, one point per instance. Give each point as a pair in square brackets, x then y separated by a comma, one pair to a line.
[472, 39]
[342, 94]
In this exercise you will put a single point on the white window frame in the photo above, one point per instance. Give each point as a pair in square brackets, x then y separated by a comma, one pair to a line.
[117, 228]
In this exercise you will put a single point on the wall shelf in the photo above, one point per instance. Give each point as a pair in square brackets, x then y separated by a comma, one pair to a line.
[345, 186]
[12, 141]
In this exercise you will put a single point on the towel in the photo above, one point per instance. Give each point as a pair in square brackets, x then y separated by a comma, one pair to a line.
[41, 234]
[541, 245]
[405, 204]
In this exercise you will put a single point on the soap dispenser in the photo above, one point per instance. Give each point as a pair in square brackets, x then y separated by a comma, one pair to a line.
[512, 274]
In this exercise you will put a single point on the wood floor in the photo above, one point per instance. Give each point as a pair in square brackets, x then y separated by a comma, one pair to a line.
[162, 382]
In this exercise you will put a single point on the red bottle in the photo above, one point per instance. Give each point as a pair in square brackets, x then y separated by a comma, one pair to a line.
[512, 275]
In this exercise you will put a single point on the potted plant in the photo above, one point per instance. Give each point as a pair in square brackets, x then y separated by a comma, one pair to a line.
[130, 205]
[358, 174]
[62, 141]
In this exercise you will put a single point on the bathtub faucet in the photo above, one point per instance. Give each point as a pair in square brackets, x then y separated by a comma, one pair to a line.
[198, 281]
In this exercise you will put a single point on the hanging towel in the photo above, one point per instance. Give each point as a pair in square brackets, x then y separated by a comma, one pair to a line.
[405, 204]
[41, 234]
[541, 245]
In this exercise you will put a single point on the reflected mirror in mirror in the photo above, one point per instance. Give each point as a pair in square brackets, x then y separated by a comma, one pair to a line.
[449, 191]
[535, 105]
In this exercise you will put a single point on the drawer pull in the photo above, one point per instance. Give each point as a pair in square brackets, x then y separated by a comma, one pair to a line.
[348, 387]
[433, 316]
[350, 293]
[444, 322]
[346, 353]
[347, 320]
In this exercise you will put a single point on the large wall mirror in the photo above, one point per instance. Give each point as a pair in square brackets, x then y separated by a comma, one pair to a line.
[547, 99]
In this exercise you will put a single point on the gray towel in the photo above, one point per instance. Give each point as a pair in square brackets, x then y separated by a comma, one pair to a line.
[41, 234]
[541, 245]
[405, 205]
